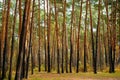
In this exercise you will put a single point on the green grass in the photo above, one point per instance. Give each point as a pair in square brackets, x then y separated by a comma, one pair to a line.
[104, 75]
[75, 76]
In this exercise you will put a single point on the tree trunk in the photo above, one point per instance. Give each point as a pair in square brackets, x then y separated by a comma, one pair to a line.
[57, 31]
[21, 43]
[32, 25]
[104, 41]
[2, 36]
[20, 18]
[53, 52]
[48, 33]
[45, 37]
[85, 35]
[39, 41]
[63, 34]
[0, 55]
[108, 35]
[119, 37]
[23, 72]
[114, 36]
[97, 38]
[92, 37]
[66, 51]
[29, 48]
[5, 52]
[12, 42]
[71, 36]
[78, 40]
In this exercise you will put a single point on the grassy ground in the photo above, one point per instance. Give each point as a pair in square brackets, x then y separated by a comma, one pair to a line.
[75, 76]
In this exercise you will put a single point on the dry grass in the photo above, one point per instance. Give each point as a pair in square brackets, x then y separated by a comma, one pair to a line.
[75, 76]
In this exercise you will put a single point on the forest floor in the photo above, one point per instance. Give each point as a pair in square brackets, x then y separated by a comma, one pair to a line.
[75, 76]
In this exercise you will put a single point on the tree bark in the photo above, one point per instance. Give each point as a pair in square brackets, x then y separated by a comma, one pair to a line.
[92, 37]
[108, 35]
[20, 18]
[29, 47]
[39, 41]
[21, 43]
[0, 55]
[32, 25]
[114, 36]
[57, 31]
[48, 33]
[105, 49]
[78, 40]
[12, 41]
[63, 34]
[5, 52]
[71, 36]
[45, 37]
[119, 36]
[23, 72]
[85, 35]
[97, 37]
[2, 36]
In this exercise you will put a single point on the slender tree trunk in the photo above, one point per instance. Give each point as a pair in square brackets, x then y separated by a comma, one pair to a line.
[23, 72]
[110, 55]
[119, 35]
[39, 41]
[100, 52]
[92, 37]
[20, 18]
[63, 34]
[99, 49]
[29, 51]
[71, 40]
[5, 52]
[56, 27]
[104, 41]
[21, 43]
[111, 47]
[45, 37]
[62, 65]
[66, 51]
[30, 45]
[48, 33]
[32, 60]
[85, 35]
[97, 37]
[32, 25]
[114, 36]
[12, 42]
[53, 52]
[62, 53]
[0, 55]
[78, 40]
[52, 55]
[108, 36]
[2, 36]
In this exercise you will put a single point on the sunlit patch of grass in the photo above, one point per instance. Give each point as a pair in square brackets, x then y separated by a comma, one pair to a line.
[81, 75]
[73, 76]
[117, 68]
[106, 69]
